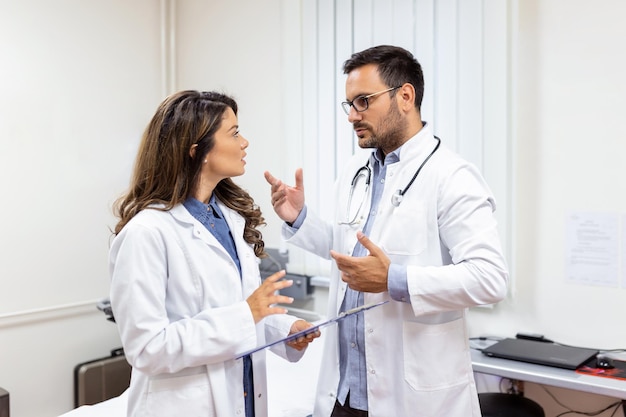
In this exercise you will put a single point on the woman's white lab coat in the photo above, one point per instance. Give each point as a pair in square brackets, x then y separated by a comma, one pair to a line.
[180, 307]
[417, 352]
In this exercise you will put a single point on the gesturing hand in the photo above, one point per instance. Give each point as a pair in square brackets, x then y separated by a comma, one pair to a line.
[287, 201]
[367, 273]
[262, 300]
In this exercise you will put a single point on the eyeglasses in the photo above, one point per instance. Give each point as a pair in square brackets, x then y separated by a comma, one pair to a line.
[361, 103]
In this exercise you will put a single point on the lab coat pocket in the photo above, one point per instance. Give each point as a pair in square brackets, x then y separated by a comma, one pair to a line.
[405, 231]
[183, 395]
[435, 356]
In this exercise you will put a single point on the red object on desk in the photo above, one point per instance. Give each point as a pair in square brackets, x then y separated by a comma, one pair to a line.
[618, 372]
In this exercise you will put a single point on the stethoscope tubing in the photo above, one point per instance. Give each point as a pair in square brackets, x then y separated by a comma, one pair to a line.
[396, 198]
[400, 194]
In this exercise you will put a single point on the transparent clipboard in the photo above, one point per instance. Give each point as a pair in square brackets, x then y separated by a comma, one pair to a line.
[315, 327]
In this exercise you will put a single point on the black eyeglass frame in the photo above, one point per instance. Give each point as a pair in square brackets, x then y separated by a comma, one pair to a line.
[345, 105]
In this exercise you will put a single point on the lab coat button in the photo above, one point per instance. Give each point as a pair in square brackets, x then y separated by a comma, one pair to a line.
[370, 330]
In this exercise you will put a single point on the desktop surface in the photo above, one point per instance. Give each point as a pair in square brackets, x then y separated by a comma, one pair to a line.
[547, 375]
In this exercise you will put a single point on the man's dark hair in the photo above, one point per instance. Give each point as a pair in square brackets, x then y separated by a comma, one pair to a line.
[396, 67]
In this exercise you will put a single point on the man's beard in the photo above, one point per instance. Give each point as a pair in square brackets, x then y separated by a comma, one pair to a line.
[390, 132]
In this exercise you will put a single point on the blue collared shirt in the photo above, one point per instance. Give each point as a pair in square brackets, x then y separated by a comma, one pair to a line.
[352, 361]
[352, 364]
[212, 218]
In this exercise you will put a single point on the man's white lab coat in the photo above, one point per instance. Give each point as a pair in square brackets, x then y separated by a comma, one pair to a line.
[444, 231]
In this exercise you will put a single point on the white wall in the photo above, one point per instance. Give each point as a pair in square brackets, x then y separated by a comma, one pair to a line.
[570, 96]
[235, 47]
[78, 82]
[70, 119]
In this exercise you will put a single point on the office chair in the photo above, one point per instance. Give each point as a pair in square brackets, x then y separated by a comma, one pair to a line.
[500, 404]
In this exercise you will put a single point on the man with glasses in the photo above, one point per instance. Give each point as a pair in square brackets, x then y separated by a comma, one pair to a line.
[413, 224]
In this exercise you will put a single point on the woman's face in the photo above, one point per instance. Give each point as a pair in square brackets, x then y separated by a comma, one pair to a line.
[226, 159]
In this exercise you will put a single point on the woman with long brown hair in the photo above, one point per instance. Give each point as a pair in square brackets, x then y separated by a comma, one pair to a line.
[186, 291]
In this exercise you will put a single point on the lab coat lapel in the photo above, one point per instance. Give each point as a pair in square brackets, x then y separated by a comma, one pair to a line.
[412, 154]
[247, 258]
[181, 214]
[400, 174]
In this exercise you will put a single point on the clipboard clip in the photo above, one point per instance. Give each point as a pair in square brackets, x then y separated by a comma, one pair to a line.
[359, 309]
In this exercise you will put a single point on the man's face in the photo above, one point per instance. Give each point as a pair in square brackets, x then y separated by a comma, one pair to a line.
[382, 125]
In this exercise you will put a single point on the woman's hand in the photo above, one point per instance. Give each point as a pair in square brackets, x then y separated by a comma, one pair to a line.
[262, 301]
[303, 341]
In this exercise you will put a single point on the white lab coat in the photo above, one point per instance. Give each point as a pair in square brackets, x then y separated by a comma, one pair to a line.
[418, 358]
[180, 307]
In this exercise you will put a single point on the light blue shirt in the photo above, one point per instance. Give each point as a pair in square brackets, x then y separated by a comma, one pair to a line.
[212, 218]
[352, 361]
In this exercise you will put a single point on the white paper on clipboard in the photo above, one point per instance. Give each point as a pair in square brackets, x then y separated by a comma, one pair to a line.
[315, 327]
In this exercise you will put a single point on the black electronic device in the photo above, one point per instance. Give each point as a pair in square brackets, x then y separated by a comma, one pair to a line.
[604, 362]
[540, 352]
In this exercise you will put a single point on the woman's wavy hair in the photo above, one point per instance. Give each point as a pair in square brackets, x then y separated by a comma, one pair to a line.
[166, 174]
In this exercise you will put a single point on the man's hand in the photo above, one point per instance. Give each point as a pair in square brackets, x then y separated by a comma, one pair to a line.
[367, 273]
[287, 201]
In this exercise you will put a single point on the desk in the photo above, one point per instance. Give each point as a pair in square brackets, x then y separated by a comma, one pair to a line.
[547, 375]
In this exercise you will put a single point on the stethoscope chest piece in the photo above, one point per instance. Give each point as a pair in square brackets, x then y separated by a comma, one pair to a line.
[396, 198]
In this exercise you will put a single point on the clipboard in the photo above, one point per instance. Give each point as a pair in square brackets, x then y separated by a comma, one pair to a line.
[315, 327]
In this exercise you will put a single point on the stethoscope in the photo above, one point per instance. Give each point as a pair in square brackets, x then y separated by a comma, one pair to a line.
[366, 173]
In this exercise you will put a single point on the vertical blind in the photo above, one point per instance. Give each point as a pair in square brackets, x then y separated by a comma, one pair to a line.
[465, 49]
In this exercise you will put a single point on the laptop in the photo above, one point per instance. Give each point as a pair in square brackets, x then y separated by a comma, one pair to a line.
[541, 353]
